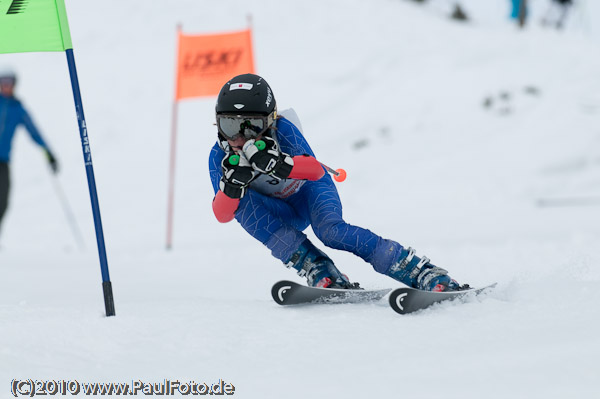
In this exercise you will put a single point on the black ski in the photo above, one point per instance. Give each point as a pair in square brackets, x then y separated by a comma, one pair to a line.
[408, 300]
[291, 293]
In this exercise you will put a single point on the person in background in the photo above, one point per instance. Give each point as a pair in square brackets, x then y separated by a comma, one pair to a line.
[519, 11]
[266, 176]
[13, 115]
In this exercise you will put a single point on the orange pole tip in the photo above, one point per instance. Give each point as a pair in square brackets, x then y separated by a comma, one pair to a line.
[341, 175]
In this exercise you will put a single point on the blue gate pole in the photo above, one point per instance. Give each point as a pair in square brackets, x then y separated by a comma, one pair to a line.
[109, 302]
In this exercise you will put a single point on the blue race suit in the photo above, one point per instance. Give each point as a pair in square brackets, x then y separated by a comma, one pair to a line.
[276, 216]
[12, 114]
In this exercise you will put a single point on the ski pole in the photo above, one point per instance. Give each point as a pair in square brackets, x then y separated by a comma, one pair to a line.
[339, 175]
[68, 212]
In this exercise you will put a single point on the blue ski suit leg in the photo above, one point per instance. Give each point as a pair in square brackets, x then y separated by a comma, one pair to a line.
[273, 222]
[278, 224]
[325, 213]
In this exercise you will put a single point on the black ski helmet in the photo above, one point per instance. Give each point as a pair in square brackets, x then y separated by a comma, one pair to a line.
[246, 94]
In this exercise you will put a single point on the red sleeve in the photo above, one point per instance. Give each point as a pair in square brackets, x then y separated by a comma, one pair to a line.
[306, 168]
[224, 207]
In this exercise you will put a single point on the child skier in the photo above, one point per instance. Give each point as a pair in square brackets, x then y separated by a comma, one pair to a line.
[265, 175]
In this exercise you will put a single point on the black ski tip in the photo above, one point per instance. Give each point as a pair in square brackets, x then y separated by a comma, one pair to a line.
[280, 289]
[399, 300]
[408, 300]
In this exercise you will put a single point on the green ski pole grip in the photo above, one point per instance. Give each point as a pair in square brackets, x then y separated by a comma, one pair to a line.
[260, 145]
[234, 160]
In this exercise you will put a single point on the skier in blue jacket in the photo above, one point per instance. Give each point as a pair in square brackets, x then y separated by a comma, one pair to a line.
[265, 176]
[12, 114]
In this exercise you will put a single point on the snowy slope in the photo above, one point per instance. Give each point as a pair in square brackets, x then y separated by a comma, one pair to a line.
[388, 90]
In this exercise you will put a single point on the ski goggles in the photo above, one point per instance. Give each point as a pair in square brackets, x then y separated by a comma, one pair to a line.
[233, 126]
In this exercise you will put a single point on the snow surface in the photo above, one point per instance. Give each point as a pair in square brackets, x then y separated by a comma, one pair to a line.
[391, 91]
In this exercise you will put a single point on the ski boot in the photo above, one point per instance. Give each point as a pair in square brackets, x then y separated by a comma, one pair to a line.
[421, 274]
[318, 268]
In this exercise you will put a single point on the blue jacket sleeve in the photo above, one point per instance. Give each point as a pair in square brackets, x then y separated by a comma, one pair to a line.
[214, 166]
[32, 129]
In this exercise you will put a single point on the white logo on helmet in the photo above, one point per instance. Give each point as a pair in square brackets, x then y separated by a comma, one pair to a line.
[269, 97]
[239, 106]
[241, 86]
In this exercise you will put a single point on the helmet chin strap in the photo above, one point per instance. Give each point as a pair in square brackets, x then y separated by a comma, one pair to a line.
[223, 143]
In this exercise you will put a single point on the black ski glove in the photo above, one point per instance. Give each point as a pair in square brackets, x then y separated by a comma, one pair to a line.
[265, 157]
[237, 175]
[52, 161]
